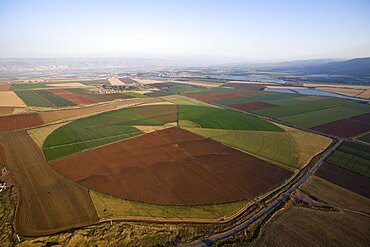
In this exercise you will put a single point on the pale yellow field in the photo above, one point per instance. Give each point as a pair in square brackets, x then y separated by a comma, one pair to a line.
[40, 134]
[146, 81]
[148, 129]
[336, 85]
[287, 87]
[307, 143]
[114, 81]
[291, 150]
[109, 207]
[365, 94]
[199, 83]
[183, 100]
[335, 195]
[9, 98]
[72, 84]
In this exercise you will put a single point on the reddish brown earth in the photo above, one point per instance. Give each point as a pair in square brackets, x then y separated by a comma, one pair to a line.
[252, 106]
[16, 122]
[161, 85]
[4, 86]
[172, 167]
[224, 95]
[344, 178]
[75, 98]
[48, 202]
[347, 127]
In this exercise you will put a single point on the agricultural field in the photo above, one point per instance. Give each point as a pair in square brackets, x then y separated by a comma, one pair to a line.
[105, 128]
[291, 150]
[170, 88]
[218, 118]
[4, 86]
[16, 122]
[365, 138]
[108, 207]
[178, 167]
[54, 98]
[31, 98]
[300, 226]
[26, 86]
[335, 195]
[10, 99]
[75, 98]
[48, 202]
[352, 156]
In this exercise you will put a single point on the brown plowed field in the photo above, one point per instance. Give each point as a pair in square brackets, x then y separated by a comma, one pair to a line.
[4, 86]
[344, 178]
[48, 202]
[172, 167]
[252, 106]
[224, 95]
[22, 121]
[75, 98]
[347, 127]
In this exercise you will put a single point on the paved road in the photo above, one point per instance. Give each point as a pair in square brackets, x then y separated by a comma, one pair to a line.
[269, 208]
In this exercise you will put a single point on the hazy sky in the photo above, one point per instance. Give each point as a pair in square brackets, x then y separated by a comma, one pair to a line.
[208, 30]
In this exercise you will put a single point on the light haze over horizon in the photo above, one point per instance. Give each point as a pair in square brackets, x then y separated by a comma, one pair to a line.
[186, 30]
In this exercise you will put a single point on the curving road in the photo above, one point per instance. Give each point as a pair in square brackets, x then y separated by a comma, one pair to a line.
[269, 208]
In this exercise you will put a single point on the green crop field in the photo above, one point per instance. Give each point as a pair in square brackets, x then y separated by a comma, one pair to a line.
[176, 88]
[266, 97]
[218, 118]
[277, 148]
[355, 148]
[55, 99]
[352, 156]
[163, 113]
[359, 106]
[365, 138]
[98, 130]
[31, 98]
[25, 86]
[135, 95]
[316, 118]
[350, 162]
[302, 107]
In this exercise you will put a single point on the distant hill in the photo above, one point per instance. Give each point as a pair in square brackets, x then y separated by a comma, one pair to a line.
[353, 67]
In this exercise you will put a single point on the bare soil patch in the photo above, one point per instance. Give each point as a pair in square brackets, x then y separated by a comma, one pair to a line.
[344, 178]
[4, 86]
[347, 127]
[75, 98]
[48, 202]
[172, 167]
[16, 122]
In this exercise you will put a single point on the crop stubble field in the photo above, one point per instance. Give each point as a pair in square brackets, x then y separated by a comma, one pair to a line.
[48, 202]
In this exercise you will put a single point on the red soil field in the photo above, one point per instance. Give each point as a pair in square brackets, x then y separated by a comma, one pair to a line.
[252, 106]
[224, 95]
[75, 98]
[347, 127]
[161, 85]
[16, 122]
[344, 178]
[171, 167]
[4, 86]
